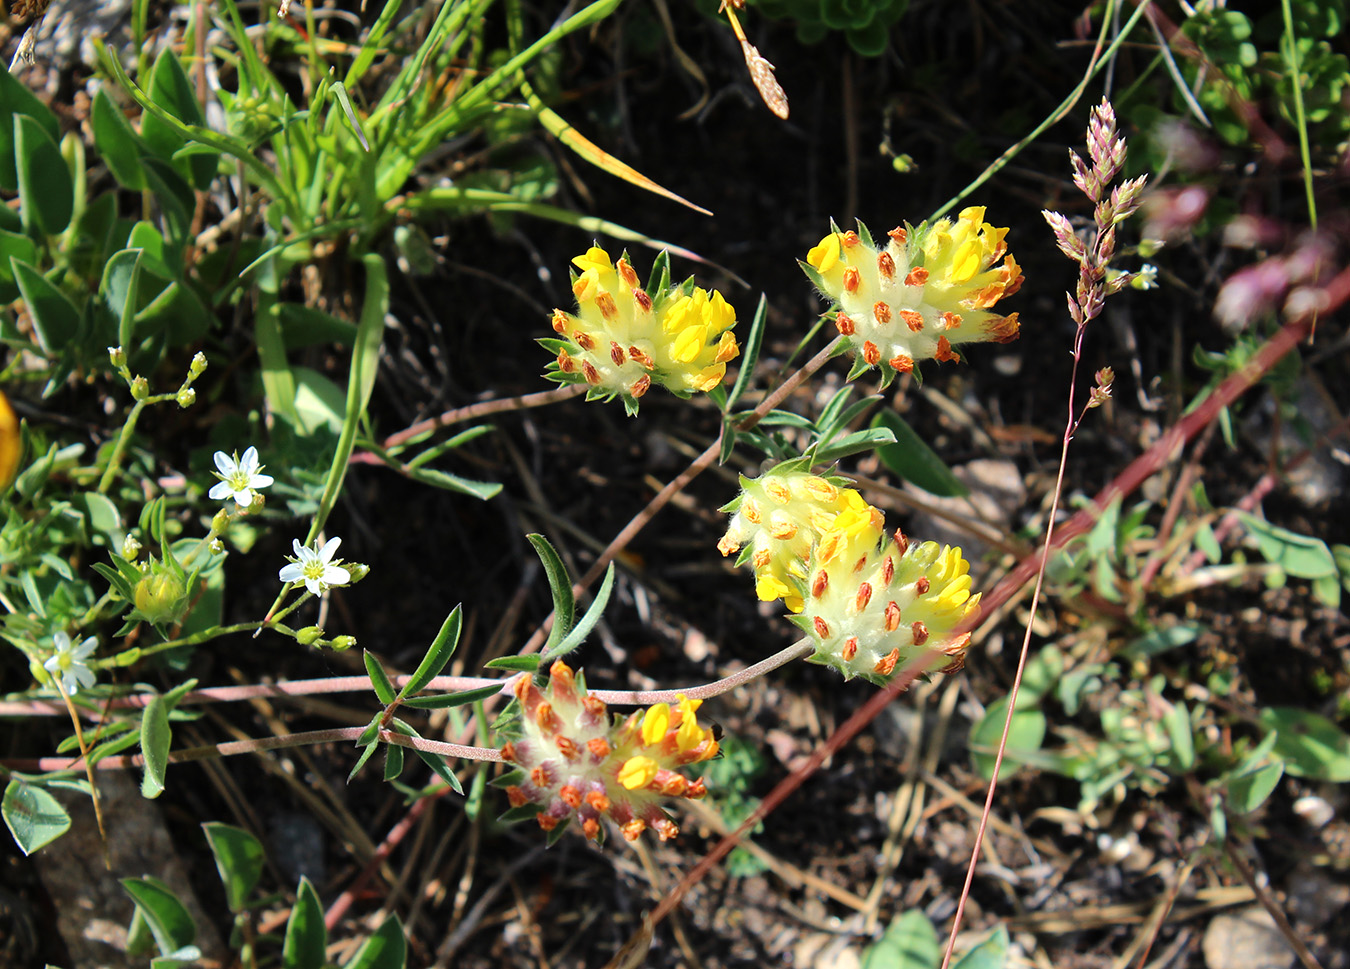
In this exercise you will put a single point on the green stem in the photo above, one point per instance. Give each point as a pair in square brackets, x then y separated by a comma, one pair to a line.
[120, 447]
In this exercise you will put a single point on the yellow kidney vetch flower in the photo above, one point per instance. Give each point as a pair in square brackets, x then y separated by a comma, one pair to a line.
[574, 760]
[623, 339]
[777, 520]
[926, 291]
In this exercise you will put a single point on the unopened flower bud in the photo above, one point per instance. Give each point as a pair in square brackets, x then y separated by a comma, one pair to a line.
[186, 397]
[309, 635]
[216, 546]
[220, 521]
[357, 570]
[117, 357]
[197, 366]
[140, 388]
[1101, 393]
[342, 642]
[159, 595]
[130, 548]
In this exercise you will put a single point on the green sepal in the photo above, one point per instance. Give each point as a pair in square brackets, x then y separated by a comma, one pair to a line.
[864, 234]
[860, 367]
[526, 812]
[817, 280]
[659, 278]
[509, 779]
[552, 836]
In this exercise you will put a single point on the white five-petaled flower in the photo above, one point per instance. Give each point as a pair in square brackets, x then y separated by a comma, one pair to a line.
[314, 567]
[239, 477]
[70, 662]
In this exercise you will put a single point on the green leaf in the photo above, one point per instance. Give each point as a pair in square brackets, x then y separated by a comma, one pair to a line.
[749, 352]
[386, 949]
[443, 701]
[442, 648]
[384, 687]
[1025, 734]
[239, 859]
[155, 738]
[306, 934]
[55, 318]
[992, 953]
[1177, 722]
[910, 942]
[914, 460]
[1298, 555]
[1310, 744]
[17, 246]
[1247, 792]
[33, 816]
[120, 291]
[525, 664]
[1158, 641]
[166, 917]
[119, 146]
[366, 751]
[15, 101]
[859, 441]
[303, 326]
[582, 629]
[560, 585]
[393, 761]
[171, 90]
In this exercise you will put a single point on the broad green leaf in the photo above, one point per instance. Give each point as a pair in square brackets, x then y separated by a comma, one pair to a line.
[992, 953]
[912, 459]
[384, 687]
[1298, 555]
[55, 318]
[303, 326]
[239, 859]
[33, 816]
[20, 247]
[16, 100]
[172, 91]
[118, 145]
[1246, 792]
[1158, 641]
[1025, 734]
[120, 292]
[439, 653]
[910, 942]
[306, 934]
[166, 917]
[386, 949]
[318, 402]
[156, 736]
[1309, 744]
[560, 585]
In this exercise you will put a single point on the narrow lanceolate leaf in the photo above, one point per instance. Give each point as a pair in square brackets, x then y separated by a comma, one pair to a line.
[444, 701]
[914, 460]
[442, 648]
[560, 585]
[583, 628]
[384, 687]
[584, 148]
[750, 352]
[155, 739]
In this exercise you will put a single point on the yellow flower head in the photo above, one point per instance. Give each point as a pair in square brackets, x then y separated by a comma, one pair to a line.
[926, 291]
[573, 760]
[778, 520]
[881, 602]
[623, 339]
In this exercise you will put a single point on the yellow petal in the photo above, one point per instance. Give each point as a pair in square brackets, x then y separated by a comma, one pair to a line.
[594, 258]
[655, 723]
[637, 772]
[825, 256]
[770, 587]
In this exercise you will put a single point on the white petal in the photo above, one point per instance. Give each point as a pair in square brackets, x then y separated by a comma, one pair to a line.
[219, 490]
[329, 549]
[82, 651]
[314, 586]
[336, 575]
[300, 550]
[291, 573]
[53, 664]
[243, 498]
[84, 676]
[225, 464]
[61, 641]
[260, 480]
[249, 462]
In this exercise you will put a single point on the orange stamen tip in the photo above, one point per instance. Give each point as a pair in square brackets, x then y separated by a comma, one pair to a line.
[616, 354]
[571, 796]
[590, 827]
[922, 585]
[589, 372]
[863, 597]
[822, 627]
[950, 320]
[885, 265]
[565, 362]
[870, 353]
[509, 752]
[546, 821]
[568, 748]
[844, 324]
[559, 321]
[626, 273]
[640, 386]
[608, 308]
[901, 363]
[901, 542]
[599, 747]
[643, 301]
[886, 665]
[849, 649]
[913, 319]
[852, 279]
[819, 584]
[584, 340]
[920, 632]
[899, 235]
[539, 776]
[598, 801]
[881, 311]
[945, 352]
[665, 829]
[892, 616]
[516, 797]
[850, 239]
[633, 829]
[917, 276]
[887, 570]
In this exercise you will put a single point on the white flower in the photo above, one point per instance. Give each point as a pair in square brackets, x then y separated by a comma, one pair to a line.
[1146, 278]
[69, 662]
[313, 566]
[239, 477]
